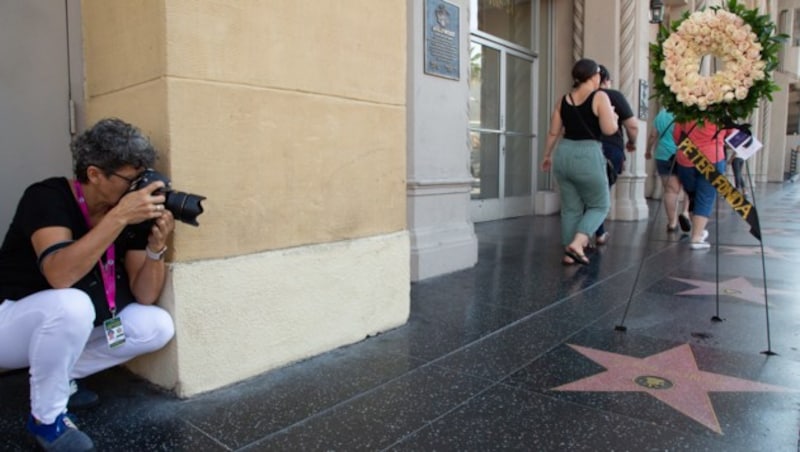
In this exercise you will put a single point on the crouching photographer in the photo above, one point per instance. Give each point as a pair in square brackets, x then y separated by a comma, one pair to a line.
[79, 278]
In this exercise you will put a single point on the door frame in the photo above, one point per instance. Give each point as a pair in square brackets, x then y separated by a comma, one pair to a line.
[502, 206]
[75, 63]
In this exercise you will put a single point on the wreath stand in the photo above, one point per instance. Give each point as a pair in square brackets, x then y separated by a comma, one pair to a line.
[716, 317]
[746, 43]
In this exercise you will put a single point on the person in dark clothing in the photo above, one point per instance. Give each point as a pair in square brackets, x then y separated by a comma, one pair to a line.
[614, 145]
[737, 165]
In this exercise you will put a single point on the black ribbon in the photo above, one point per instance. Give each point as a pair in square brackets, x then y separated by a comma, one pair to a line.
[726, 190]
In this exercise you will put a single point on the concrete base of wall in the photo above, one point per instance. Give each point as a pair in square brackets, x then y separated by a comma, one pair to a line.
[454, 249]
[546, 203]
[442, 236]
[628, 200]
[239, 317]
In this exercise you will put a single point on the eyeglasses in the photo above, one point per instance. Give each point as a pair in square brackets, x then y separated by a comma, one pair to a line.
[132, 181]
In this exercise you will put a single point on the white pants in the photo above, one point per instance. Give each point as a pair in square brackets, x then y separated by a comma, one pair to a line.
[52, 333]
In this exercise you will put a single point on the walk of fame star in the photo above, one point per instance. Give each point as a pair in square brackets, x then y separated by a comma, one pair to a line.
[754, 251]
[736, 287]
[671, 376]
[779, 219]
[775, 231]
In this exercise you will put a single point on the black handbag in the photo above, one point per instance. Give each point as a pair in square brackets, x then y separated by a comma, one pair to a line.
[611, 172]
[673, 167]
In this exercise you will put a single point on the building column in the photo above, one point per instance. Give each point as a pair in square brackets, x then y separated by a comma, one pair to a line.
[624, 50]
[438, 187]
[299, 144]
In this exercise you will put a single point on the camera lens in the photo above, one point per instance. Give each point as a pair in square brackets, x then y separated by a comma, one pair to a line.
[184, 206]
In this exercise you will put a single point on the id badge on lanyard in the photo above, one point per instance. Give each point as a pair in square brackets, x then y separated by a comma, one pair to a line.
[114, 331]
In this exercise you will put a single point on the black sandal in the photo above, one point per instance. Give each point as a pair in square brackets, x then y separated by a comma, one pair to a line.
[685, 223]
[578, 258]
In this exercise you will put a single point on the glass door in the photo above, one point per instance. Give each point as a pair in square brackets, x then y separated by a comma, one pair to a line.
[501, 130]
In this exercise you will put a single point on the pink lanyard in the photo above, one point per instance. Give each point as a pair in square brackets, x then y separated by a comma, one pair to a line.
[108, 270]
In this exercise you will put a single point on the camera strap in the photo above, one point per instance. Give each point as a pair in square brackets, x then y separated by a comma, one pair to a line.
[107, 269]
[115, 333]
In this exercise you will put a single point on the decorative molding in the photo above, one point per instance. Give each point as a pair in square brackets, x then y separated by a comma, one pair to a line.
[627, 69]
[577, 30]
[438, 187]
[761, 166]
[764, 132]
[438, 182]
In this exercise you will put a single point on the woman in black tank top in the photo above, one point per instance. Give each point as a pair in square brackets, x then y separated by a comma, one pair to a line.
[576, 125]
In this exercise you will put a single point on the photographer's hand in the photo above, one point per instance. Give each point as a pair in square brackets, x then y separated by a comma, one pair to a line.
[147, 268]
[140, 205]
[162, 228]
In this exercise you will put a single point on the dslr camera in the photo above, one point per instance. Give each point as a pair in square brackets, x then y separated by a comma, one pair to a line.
[185, 207]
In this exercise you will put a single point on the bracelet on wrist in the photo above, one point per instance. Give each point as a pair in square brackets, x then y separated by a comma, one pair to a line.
[156, 256]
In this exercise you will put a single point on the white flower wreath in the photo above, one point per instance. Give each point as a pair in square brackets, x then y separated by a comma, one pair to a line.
[724, 35]
[744, 42]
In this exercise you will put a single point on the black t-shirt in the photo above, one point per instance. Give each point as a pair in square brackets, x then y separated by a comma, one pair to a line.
[580, 122]
[624, 112]
[51, 203]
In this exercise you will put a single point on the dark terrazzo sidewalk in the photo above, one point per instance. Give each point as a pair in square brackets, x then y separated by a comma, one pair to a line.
[521, 353]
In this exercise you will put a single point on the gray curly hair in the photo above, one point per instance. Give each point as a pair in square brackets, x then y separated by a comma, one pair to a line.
[109, 145]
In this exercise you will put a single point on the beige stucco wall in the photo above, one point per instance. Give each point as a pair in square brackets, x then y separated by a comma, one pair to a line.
[289, 115]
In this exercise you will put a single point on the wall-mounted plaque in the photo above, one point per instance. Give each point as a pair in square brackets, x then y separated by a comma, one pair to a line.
[644, 95]
[442, 39]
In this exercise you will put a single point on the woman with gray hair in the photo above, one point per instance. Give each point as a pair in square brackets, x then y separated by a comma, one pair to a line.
[579, 120]
[80, 268]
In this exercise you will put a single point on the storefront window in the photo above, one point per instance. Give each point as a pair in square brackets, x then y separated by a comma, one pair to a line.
[507, 19]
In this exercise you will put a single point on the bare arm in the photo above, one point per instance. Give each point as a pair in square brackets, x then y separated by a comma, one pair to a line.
[601, 105]
[553, 134]
[652, 140]
[632, 131]
[147, 275]
[66, 266]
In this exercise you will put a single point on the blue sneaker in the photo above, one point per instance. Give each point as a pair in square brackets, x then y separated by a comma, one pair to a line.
[80, 398]
[60, 436]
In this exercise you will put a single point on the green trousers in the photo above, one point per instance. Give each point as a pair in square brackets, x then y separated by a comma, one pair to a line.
[580, 170]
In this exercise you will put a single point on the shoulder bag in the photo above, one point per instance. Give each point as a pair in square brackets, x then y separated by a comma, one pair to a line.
[611, 172]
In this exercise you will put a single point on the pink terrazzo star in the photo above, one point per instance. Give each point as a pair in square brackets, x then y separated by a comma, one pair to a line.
[671, 376]
[736, 287]
[779, 219]
[775, 231]
[755, 251]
